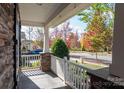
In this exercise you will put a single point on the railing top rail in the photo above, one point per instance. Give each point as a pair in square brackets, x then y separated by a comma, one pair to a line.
[57, 57]
[30, 55]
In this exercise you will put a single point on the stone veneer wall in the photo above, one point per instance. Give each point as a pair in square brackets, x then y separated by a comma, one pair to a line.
[45, 62]
[6, 45]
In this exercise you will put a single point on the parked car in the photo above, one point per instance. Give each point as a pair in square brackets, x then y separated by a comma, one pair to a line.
[37, 51]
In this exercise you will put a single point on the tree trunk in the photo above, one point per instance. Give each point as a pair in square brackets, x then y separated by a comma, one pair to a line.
[107, 50]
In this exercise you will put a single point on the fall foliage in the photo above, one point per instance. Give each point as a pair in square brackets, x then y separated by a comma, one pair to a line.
[66, 33]
[98, 36]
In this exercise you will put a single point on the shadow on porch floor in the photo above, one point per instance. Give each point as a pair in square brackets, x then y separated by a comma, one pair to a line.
[36, 79]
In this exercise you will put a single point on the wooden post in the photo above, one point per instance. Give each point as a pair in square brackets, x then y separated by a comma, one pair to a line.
[46, 40]
[117, 66]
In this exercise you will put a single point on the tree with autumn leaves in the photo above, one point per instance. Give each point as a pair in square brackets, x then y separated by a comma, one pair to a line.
[99, 18]
[65, 32]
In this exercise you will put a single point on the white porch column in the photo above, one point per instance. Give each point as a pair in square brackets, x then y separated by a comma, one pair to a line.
[46, 40]
[117, 67]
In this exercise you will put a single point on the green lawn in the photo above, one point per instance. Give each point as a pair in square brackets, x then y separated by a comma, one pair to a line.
[92, 66]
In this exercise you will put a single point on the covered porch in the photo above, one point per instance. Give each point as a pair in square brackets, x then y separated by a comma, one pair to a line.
[71, 74]
[45, 16]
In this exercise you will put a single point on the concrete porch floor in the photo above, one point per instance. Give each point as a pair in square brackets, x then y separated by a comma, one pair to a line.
[36, 79]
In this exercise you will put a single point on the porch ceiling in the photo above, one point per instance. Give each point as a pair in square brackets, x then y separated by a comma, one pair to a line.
[38, 14]
[49, 14]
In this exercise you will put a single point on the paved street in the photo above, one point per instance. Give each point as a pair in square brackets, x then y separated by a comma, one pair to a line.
[105, 58]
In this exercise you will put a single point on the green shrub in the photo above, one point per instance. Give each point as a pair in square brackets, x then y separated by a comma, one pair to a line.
[60, 49]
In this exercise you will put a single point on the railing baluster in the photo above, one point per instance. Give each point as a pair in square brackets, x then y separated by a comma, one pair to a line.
[83, 79]
[72, 74]
[66, 72]
[33, 62]
[36, 60]
[22, 61]
[68, 75]
[75, 77]
[39, 60]
[28, 60]
[78, 79]
[25, 61]
[87, 82]
[71, 78]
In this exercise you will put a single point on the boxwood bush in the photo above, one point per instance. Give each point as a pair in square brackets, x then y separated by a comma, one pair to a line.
[60, 49]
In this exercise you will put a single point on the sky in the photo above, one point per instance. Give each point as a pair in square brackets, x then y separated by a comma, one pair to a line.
[76, 23]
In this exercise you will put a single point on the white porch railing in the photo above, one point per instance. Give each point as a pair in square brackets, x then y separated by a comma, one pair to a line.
[30, 61]
[76, 76]
[71, 73]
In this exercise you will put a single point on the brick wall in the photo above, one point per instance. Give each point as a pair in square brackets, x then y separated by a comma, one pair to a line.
[6, 45]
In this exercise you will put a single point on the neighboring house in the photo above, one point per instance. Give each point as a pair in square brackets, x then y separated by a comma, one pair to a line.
[26, 45]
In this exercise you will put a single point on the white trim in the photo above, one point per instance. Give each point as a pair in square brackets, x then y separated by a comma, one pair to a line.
[67, 12]
[46, 40]
[31, 23]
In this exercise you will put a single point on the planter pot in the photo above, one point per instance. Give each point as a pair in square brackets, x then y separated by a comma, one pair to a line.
[45, 62]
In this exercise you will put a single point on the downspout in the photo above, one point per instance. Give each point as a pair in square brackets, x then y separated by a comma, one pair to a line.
[14, 47]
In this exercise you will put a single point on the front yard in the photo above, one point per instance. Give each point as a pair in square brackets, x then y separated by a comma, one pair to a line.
[91, 65]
